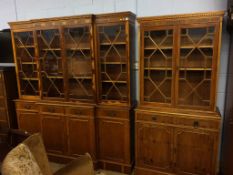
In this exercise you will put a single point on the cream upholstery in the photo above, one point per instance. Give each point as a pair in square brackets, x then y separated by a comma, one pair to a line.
[29, 158]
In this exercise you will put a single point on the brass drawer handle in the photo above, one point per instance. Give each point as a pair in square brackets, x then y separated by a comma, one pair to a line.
[154, 118]
[112, 114]
[195, 124]
[27, 107]
[51, 110]
[78, 112]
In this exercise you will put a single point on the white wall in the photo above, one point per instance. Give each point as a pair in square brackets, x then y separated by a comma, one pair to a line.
[12, 10]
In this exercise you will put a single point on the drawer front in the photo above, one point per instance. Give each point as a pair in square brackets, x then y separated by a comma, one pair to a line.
[153, 117]
[52, 109]
[197, 123]
[2, 103]
[79, 111]
[3, 115]
[31, 106]
[113, 113]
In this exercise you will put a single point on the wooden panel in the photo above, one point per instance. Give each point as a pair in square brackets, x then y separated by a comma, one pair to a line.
[155, 118]
[29, 121]
[76, 111]
[30, 106]
[113, 140]
[52, 109]
[3, 115]
[154, 146]
[198, 123]
[53, 132]
[112, 113]
[195, 152]
[79, 136]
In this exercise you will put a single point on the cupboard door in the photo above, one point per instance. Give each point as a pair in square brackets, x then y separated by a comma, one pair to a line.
[26, 63]
[53, 132]
[80, 136]
[79, 58]
[154, 146]
[195, 152]
[29, 121]
[113, 140]
[197, 65]
[157, 64]
[113, 62]
[51, 63]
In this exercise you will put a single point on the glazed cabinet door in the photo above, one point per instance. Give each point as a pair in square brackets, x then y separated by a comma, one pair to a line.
[80, 62]
[26, 63]
[51, 62]
[157, 47]
[195, 152]
[113, 140]
[29, 121]
[113, 63]
[154, 146]
[197, 65]
[53, 132]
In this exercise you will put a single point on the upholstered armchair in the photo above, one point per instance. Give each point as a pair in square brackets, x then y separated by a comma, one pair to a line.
[29, 158]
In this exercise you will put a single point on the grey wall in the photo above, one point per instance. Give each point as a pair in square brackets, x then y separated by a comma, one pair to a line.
[12, 10]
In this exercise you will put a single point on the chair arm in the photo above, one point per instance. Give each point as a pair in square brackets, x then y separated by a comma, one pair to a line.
[83, 165]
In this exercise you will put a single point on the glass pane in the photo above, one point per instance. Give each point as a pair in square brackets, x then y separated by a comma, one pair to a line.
[26, 62]
[113, 60]
[51, 62]
[196, 56]
[158, 54]
[78, 55]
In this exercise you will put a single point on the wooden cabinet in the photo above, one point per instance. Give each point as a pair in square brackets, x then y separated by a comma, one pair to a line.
[169, 147]
[177, 124]
[55, 68]
[114, 51]
[154, 146]
[8, 92]
[55, 58]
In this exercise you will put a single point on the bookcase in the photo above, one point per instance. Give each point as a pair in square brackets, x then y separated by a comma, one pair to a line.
[55, 67]
[177, 122]
[114, 115]
[74, 79]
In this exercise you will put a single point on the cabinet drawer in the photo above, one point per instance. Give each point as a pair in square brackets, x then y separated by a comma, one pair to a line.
[52, 109]
[113, 113]
[197, 123]
[2, 103]
[3, 115]
[79, 111]
[26, 106]
[155, 118]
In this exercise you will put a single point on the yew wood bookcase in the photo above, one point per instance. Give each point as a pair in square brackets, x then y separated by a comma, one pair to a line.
[115, 49]
[177, 123]
[55, 68]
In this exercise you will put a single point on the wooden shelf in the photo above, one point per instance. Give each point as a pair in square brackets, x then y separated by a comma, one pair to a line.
[78, 48]
[156, 48]
[114, 43]
[81, 77]
[109, 81]
[52, 49]
[108, 62]
[158, 68]
[28, 63]
[192, 47]
[30, 79]
[195, 69]
[26, 46]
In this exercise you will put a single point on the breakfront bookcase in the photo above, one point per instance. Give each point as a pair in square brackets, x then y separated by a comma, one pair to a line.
[177, 123]
[114, 55]
[55, 69]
